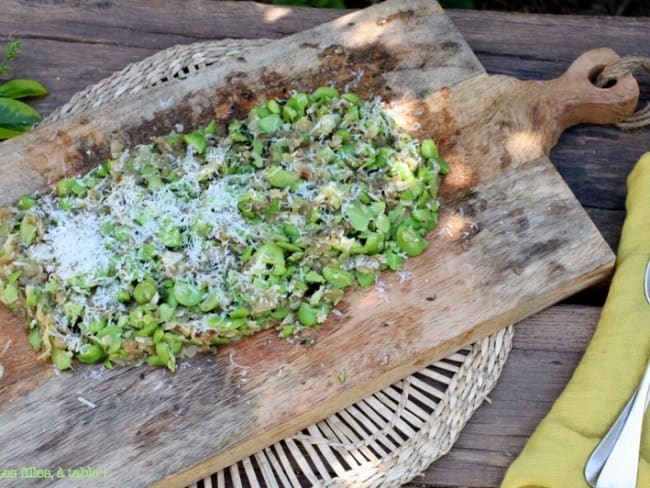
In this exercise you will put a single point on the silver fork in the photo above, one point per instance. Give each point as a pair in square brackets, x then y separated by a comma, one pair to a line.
[615, 461]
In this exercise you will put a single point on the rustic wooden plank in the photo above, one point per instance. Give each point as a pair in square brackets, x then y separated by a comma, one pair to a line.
[550, 39]
[609, 223]
[154, 24]
[596, 161]
[66, 68]
[546, 349]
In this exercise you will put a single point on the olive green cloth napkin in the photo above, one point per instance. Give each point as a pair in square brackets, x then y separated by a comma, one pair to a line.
[609, 372]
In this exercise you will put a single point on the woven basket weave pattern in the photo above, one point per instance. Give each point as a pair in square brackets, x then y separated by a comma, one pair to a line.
[384, 440]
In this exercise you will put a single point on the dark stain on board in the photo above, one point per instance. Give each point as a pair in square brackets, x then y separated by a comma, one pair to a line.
[360, 70]
[533, 252]
[542, 248]
[519, 220]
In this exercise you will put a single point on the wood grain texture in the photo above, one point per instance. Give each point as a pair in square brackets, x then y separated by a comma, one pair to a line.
[155, 24]
[525, 46]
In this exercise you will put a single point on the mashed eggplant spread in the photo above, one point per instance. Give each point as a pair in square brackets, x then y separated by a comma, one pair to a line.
[200, 239]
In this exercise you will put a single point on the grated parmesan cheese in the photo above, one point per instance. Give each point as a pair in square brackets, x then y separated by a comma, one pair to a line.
[88, 403]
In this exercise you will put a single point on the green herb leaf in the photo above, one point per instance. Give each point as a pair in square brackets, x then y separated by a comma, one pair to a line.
[22, 89]
[10, 54]
[17, 116]
[8, 133]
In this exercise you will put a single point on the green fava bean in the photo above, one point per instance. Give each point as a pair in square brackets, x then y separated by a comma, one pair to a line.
[280, 313]
[287, 331]
[366, 279]
[63, 187]
[218, 322]
[28, 230]
[155, 361]
[211, 128]
[166, 311]
[158, 335]
[288, 246]
[374, 242]
[147, 331]
[35, 338]
[196, 141]
[351, 97]
[280, 178]
[273, 106]
[123, 296]
[66, 203]
[210, 302]
[428, 149]
[344, 134]
[270, 254]
[170, 235]
[122, 233]
[26, 202]
[413, 192]
[144, 291]
[338, 278]
[291, 231]
[72, 310]
[358, 216]
[147, 252]
[307, 315]
[10, 294]
[313, 277]
[94, 326]
[394, 261]
[174, 342]
[78, 188]
[187, 294]
[289, 114]
[382, 223]
[325, 92]
[13, 277]
[90, 353]
[270, 123]
[62, 359]
[444, 166]
[410, 241]
[163, 352]
[298, 102]
[239, 313]
[428, 218]
[261, 110]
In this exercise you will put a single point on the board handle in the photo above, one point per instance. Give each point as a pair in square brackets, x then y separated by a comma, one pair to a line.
[578, 100]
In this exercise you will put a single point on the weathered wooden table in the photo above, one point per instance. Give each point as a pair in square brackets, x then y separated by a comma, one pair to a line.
[70, 44]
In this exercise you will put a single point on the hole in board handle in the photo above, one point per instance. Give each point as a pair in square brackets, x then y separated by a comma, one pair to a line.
[595, 72]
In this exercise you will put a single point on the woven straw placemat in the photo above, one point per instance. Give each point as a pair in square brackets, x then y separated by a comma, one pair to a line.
[384, 440]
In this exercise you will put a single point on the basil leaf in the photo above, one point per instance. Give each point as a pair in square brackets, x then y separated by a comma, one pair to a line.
[22, 89]
[8, 133]
[17, 116]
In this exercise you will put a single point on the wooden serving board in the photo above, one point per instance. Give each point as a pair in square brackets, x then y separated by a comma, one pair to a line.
[512, 240]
